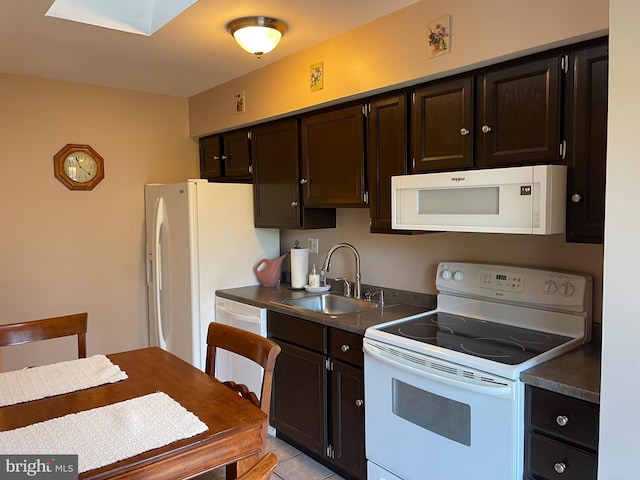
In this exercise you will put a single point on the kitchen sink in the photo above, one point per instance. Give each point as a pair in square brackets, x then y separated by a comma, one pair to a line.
[331, 304]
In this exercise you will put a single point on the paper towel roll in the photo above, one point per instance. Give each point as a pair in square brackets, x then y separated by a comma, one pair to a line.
[299, 267]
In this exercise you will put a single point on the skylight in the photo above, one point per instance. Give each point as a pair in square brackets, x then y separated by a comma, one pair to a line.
[143, 17]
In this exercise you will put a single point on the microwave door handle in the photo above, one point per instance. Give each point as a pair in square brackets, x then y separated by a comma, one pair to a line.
[496, 390]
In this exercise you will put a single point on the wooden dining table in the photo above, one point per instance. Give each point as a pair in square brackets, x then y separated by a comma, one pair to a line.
[236, 428]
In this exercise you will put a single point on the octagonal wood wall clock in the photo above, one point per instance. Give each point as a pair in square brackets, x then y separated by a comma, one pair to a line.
[79, 167]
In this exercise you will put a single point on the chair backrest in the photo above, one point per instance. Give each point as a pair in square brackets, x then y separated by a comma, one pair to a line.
[261, 470]
[249, 345]
[45, 329]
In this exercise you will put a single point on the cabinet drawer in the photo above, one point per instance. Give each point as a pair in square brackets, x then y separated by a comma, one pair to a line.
[548, 455]
[347, 346]
[296, 331]
[550, 409]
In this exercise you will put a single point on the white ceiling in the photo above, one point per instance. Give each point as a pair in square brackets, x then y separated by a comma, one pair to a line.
[190, 54]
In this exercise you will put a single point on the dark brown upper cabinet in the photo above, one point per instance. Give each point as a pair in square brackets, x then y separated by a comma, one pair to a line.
[276, 180]
[386, 155]
[333, 158]
[275, 176]
[211, 157]
[442, 126]
[237, 155]
[226, 157]
[586, 120]
[518, 113]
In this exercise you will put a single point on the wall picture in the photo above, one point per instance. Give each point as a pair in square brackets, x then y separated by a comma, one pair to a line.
[439, 36]
[240, 104]
[316, 78]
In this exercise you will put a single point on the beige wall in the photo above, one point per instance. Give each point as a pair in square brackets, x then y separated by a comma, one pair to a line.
[618, 457]
[65, 251]
[391, 51]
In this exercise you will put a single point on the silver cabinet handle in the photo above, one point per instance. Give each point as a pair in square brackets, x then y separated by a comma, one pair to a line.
[576, 198]
[560, 467]
[303, 181]
[224, 157]
[562, 420]
[486, 129]
[464, 131]
[345, 348]
[294, 204]
[216, 157]
[359, 403]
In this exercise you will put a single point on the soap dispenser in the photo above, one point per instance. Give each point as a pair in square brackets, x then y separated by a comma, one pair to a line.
[314, 278]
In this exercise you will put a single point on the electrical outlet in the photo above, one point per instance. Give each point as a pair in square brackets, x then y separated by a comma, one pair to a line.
[313, 245]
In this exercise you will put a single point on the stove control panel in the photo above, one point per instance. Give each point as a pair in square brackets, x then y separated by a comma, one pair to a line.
[515, 284]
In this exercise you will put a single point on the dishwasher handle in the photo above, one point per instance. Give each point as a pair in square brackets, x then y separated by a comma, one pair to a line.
[494, 390]
[238, 316]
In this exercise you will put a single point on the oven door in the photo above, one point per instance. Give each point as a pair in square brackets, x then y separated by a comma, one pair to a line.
[427, 418]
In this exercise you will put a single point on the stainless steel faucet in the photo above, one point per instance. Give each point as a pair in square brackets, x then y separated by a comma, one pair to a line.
[326, 265]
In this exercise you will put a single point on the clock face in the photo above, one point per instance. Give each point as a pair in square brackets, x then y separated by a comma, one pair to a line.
[80, 167]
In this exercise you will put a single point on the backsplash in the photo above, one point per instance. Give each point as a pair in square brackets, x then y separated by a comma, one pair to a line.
[408, 262]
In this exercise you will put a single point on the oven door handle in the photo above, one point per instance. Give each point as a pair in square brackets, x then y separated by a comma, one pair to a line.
[495, 390]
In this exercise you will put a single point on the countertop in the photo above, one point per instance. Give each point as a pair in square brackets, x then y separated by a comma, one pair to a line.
[396, 306]
[576, 373]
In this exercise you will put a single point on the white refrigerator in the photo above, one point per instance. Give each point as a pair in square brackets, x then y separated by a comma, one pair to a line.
[200, 238]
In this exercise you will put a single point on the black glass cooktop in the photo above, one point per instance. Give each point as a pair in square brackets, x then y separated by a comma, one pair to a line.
[480, 338]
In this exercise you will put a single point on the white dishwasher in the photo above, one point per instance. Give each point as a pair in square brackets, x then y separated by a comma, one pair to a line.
[230, 366]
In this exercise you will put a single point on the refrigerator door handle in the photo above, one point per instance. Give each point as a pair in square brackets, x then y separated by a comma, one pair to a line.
[156, 253]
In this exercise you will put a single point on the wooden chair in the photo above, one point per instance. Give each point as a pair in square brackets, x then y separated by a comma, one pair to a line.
[261, 470]
[47, 328]
[251, 346]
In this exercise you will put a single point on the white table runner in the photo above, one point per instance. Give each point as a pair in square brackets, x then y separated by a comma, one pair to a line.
[58, 378]
[107, 434]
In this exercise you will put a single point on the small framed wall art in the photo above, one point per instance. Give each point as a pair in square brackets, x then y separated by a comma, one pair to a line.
[316, 77]
[239, 102]
[439, 36]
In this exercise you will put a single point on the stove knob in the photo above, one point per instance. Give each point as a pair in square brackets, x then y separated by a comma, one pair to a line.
[550, 287]
[458, 276]
[446, 275]
[567, 289]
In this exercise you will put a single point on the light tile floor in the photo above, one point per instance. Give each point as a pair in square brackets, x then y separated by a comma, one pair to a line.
[292, 465]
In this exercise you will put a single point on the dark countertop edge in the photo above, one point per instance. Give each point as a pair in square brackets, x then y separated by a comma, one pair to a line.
[271, 298]
[575, 374]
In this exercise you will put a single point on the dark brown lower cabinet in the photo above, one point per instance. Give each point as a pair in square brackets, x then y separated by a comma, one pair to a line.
[317, 403]
[561, 439]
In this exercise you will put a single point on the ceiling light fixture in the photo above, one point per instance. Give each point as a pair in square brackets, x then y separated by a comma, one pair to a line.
[257, 35]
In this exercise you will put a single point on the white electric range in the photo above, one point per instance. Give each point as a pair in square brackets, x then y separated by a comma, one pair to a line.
[442, 389]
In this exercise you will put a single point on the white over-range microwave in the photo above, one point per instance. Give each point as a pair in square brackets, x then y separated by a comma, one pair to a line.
[522, 200]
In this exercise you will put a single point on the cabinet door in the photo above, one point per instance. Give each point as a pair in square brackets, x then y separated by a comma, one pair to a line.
[587, 144]
[210, 157]
[274, 151]
[298, 399]
[442, 126]
[237, 155]
[347, 425]
[386, 155]
[518, 118]
[333, 158]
